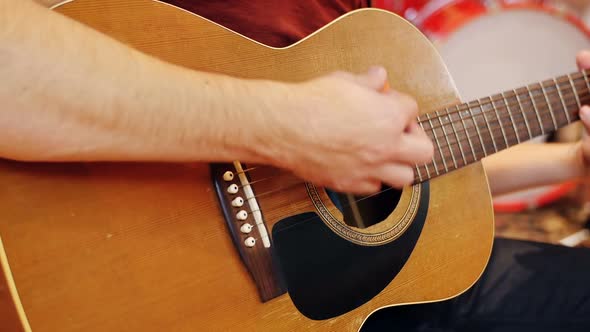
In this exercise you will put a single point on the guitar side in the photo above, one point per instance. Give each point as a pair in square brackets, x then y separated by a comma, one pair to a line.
[144, 247]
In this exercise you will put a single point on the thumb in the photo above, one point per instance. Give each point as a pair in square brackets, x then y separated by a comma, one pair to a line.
[583, 60]
[375, 78]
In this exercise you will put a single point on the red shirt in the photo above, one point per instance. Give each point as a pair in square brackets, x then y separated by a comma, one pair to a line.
[271, 22]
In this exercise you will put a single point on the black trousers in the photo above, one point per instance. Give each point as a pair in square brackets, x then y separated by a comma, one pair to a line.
[526, 287]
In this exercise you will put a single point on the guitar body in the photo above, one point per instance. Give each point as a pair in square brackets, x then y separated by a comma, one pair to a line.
[146, 247]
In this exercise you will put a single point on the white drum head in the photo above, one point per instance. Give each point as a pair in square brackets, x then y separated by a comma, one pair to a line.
[508, 49]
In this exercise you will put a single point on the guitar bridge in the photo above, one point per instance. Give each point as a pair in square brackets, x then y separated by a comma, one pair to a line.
[245, 222]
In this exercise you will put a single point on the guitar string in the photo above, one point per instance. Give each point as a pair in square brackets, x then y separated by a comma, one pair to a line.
[495, 124]
[556, 89]
[247, 170]
[330, 210]
[541, 88]
[548, 104]
[300, 182]
[526, 101]
[347, 204]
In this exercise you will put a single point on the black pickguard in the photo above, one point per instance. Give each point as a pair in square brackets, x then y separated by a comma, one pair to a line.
[326, 275]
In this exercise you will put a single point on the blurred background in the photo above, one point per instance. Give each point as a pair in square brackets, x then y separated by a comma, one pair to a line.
[494, 40]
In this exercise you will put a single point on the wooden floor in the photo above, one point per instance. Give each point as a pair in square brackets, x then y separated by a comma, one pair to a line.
[551, 223]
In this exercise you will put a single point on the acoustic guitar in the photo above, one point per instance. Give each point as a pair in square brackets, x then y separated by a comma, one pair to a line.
[236, 247]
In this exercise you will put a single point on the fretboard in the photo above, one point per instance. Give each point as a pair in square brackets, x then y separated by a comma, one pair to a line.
[465, 133]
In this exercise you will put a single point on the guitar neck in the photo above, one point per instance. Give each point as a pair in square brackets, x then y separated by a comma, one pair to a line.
[465, 133]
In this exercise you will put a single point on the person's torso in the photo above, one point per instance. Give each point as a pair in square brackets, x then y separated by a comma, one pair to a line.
[275, 23]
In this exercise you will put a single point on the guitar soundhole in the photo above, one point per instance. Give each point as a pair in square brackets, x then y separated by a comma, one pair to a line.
[372, 209]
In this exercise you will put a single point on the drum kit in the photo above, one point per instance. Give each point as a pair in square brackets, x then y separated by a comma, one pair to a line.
[511, 43]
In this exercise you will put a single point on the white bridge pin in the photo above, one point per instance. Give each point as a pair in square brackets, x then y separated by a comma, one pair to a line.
[250, 242]
[228, 176]
[233, 189]
[246, 228]
[237, 202]
[242, 215]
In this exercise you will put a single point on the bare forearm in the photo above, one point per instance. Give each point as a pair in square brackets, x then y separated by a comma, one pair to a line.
[531, 165]
[70, 93]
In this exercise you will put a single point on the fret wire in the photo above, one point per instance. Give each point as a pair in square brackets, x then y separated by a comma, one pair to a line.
[418, 171]
[488, 125]
[495, 108]
[474, 120]
[457, 137]
[515, 94]
[564, 100]
[536, 110]
[447, 139]
[521, 109]
[508, 105]
[550, 107]
[473, 136]
[569, 76]
[499, 121]
[565, 110]
[438, 145]
[581, 76]
[505, 101]
[467, 133]
[511, 117]
[426, 165]
[468, 137]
